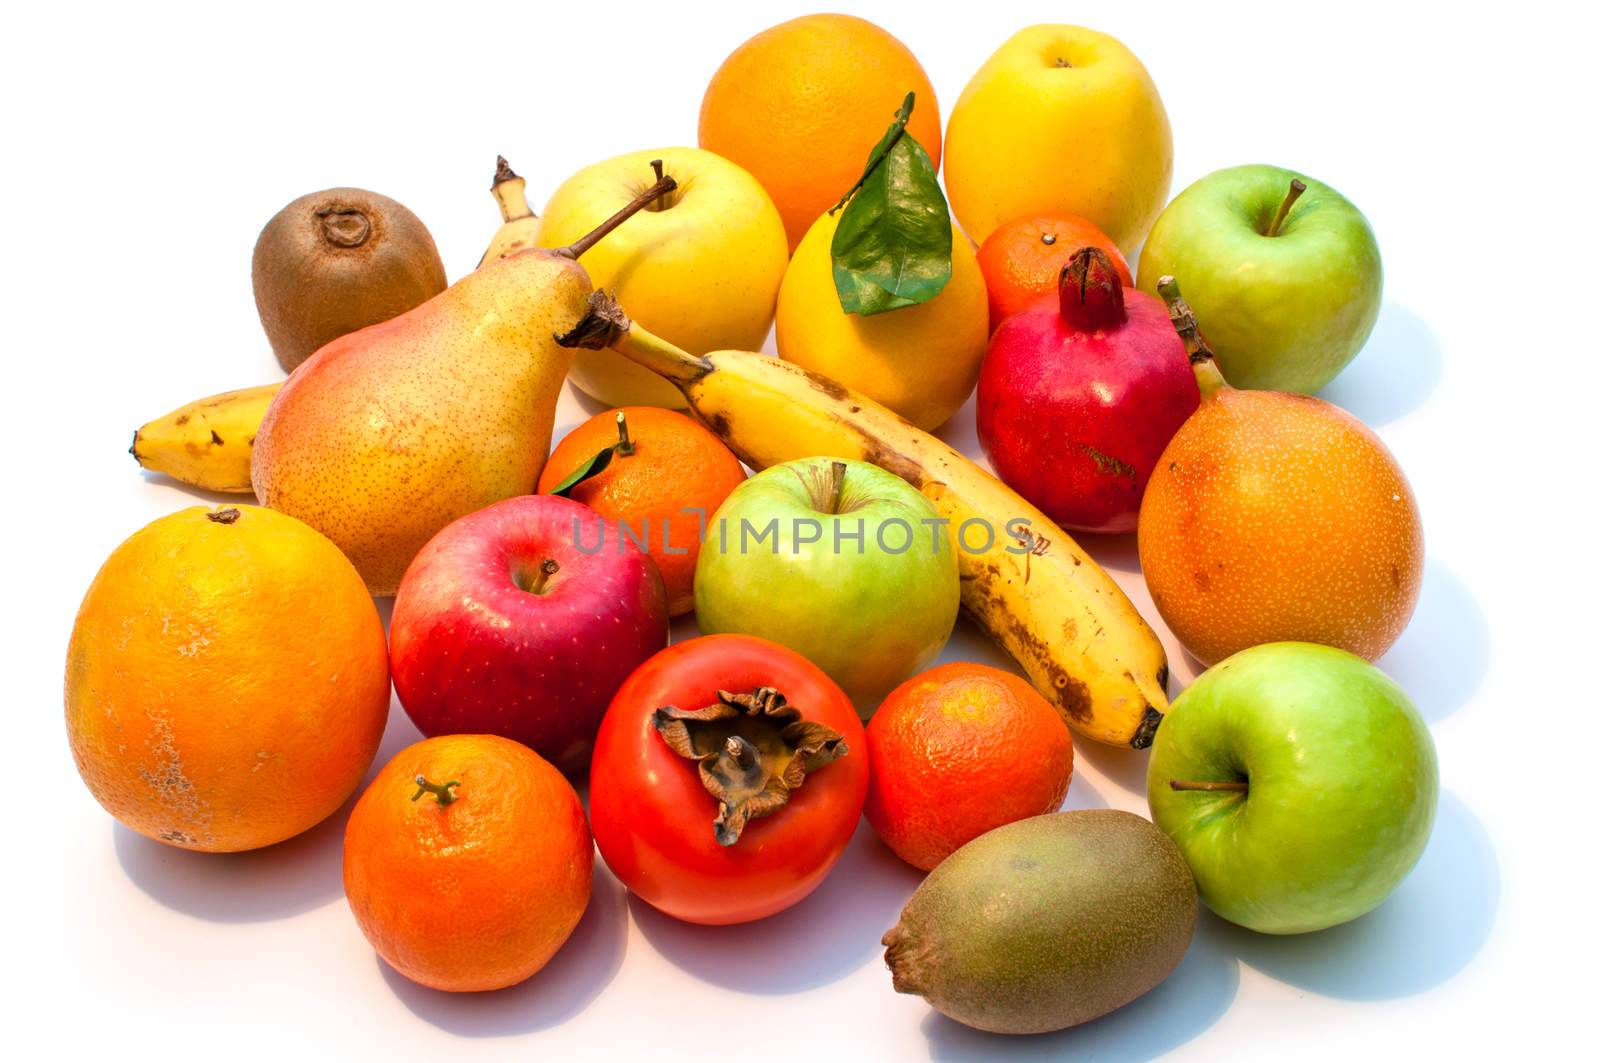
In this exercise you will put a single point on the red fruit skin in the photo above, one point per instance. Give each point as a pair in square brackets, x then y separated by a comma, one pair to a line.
[1075, 421]
[474, 653]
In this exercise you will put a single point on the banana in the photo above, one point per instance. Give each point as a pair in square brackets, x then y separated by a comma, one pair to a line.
[1033, 589]
[520, 225]
[206, 443]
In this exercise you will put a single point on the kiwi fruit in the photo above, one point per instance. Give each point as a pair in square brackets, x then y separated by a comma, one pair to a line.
[336, 261]
[1047, 922]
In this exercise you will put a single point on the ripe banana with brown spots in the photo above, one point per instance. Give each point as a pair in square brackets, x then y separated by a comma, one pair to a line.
[1033, 589]
[208, 442]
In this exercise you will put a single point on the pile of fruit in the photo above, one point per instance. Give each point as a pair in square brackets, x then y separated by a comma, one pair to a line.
[229, 677]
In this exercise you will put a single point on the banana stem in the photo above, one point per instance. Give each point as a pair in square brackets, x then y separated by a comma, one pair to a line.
[510, 192]
[606, 325]
[576, 249]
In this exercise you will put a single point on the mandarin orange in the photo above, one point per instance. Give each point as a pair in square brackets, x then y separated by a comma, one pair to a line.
[665, 481]
[468, 862]
[1023, 259]
[957, 751]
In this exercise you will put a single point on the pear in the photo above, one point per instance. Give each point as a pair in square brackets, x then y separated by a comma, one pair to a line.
[384, 436]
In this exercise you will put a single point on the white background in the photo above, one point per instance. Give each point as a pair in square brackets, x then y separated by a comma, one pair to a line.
[146, 147]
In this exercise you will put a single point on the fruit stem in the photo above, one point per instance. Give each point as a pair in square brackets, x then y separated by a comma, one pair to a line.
[837, 470]
[510, 192]
[576, 249]
[1201, 357]
[1296, 187]
[547, 568]
[223, 516]
[1229, 787]
[443, 793]
[624, 444]
[606, 325]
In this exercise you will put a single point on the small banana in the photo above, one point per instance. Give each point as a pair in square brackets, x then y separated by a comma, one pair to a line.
[1033, 589]
[520, 225]
[206, 443]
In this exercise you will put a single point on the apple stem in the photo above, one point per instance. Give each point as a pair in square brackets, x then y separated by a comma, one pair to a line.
[576, 249]
[1229, 787]
[837, 469]
[547, 568]
[442, 793]
[624, 444]
[1296, 187]
[1201, 357]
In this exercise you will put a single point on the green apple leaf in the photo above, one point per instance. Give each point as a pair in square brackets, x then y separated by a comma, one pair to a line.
[589, 469]
[892, 245]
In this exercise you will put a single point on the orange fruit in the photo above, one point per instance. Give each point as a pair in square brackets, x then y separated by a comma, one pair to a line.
[675, 467]
[227, 679]
[960, 750]
[1023, 259]
[1276, 517]
[801, 105]
[468, 862]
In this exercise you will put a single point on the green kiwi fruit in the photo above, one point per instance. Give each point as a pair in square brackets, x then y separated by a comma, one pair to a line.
[336, 261]
[1047, 922]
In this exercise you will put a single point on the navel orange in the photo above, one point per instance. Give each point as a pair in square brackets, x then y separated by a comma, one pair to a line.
[227, 679]
[800, 106]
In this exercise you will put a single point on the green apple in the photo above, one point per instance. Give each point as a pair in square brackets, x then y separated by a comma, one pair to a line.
[1286, 283]
[700, 266]
[1300, 784]
[846, 564]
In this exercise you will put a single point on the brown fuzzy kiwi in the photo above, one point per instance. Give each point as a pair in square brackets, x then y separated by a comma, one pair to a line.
[336, 261]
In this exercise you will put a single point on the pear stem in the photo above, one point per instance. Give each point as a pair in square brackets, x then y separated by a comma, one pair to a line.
[624, 444]
[576, 249]
[1296, 187]
[1201, 357]
[1227, 787]
[442, 793]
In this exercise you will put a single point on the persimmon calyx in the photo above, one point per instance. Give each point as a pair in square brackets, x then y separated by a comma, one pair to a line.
[753, 751]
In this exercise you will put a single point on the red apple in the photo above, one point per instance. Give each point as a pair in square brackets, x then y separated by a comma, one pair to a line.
[1079, 394]
[503, 625]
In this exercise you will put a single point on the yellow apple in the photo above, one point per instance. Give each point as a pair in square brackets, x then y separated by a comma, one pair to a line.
[1061, 118]
[700, 267]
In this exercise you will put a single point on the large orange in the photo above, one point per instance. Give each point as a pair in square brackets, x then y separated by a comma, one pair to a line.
[227, 679]
[800, 106]
[1023, 259]
[468, 862]
[960, 750]
[672, 468]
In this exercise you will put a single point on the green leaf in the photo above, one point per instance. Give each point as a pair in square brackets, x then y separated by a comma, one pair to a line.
[591, 468]
[892, 245]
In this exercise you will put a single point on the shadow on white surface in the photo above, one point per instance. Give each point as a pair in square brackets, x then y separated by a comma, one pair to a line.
[1395, 372]
[1197, 994]
[298, 875]
[1120, 766]
[1442, 657]
[576, 975]
[1114, 553]
[820, 940]
[1419, 938]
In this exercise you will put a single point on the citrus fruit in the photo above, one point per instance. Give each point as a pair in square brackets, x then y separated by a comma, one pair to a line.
[960, 750]
[920, 361]
[1023, 259]
[227, 679]
[801, 105]
[1277, 517]
[468, 862]
[664, 480]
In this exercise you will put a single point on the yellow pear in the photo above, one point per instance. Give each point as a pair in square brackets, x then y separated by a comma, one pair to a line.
[1061, 118]
[386, 435]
